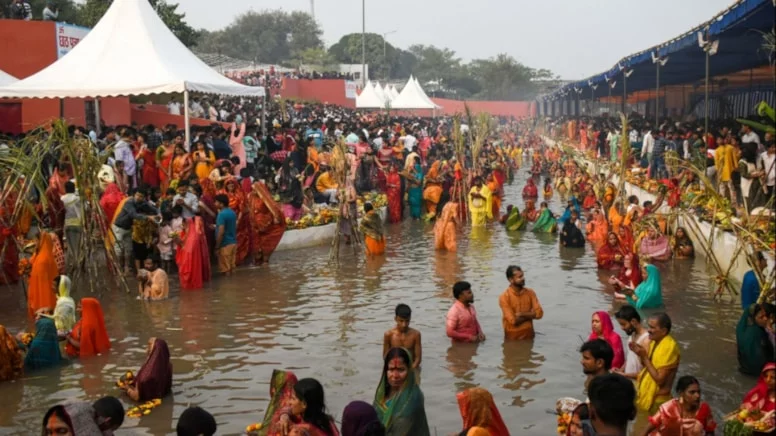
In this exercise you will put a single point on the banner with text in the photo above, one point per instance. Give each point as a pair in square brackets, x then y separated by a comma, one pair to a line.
[350, 89]
[68, 36]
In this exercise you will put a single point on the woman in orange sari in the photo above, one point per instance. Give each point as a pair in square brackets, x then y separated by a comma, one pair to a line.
[445, 228]
[611, 255]
[181, 164]
[478, 410]
[393, 192]
[615, 218]
[268, 223]
[192, 256]
[237, 203]
[89, 336]
[433, 191]
[496, 194]
[164, 155]
[40, 291]
[597, 229]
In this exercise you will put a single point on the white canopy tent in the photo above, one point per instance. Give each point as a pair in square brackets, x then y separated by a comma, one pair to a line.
[394, 93]
[368, 99]
[388, 94]
[129, 52]
[413, 97]
[7, 79]
[380, 93]
[424, 95]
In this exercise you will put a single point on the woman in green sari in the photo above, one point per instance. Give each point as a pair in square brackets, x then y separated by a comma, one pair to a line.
[649, 293]
[546, 222]
[514, 220]
[399, 400]
[754, 347]
[43, 351]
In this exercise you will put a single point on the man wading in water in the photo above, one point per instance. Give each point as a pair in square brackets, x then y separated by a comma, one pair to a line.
[519, 306]
[402, 336]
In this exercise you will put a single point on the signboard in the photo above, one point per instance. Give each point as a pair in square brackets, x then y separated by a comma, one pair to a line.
[350, 89]
[68, 36]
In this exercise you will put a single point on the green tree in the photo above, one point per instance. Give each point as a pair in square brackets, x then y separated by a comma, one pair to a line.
[315, 58]
[435, 63]
[90, 13]
[272, 37]
[383, 58]
[504, 78]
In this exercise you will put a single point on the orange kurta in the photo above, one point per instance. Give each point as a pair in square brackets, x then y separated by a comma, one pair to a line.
[44, 271]
[511, 304]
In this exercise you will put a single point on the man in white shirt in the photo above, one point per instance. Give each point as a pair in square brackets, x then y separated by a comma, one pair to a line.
[185, 199]
[630, 322]
[50, 12]
[73, 224]
[767, 164]
[174, 107]
[647, 145]
[409, 141]
[750, 136]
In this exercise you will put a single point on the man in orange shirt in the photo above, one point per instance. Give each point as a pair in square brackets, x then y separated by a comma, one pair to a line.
[519, 306]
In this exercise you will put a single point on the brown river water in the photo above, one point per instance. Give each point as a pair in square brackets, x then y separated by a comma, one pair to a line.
[327, 322]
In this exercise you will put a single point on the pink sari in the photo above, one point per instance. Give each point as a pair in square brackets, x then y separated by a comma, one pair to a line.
[192, 258]
[656, 249]
[609, 335]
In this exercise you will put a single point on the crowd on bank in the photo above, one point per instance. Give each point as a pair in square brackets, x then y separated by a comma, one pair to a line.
[22, 10]
[230, 193]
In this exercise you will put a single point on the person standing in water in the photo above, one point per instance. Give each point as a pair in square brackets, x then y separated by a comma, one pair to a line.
[630, 322]
[519, 306]
[462, 324]
[402, 336]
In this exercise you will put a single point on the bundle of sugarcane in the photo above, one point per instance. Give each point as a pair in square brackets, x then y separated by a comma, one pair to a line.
[460, 187]
[625, 147]
[340, 167]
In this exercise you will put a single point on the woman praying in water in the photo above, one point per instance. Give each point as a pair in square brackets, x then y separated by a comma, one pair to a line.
[154, 380]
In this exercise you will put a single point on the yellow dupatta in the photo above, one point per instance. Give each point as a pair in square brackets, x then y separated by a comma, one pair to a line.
[665, 355]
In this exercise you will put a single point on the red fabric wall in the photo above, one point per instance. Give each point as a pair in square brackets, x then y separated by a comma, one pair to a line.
[331, 91]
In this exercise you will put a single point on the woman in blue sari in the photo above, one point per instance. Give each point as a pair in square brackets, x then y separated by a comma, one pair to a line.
[43, 351]
[415, 190]
[649, 293]
[573, 204]
[399, 401]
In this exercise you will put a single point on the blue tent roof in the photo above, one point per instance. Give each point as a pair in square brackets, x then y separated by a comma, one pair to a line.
[738, 30]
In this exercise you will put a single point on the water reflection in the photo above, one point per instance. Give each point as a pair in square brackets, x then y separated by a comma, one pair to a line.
[520, 367]
[461, 364]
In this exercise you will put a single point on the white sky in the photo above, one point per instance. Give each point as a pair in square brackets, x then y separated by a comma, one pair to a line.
[565, 36]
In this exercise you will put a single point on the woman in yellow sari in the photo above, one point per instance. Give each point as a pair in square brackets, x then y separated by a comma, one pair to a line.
[204, 160]
[181, 164]
[433, 190]
[480, 203]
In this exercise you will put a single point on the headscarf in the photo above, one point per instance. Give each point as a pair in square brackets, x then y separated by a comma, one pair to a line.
[609, 335]
[110, 201]
[357, 419]
[757, 398]
[754, 346]
[546, 223]
[635, 272]
[650, 291]
[404, 413]
[94, 335]
[64, 312]
[659, 247]
[567, 213]
[281, 390]
[625, 236]
[83, 419]
[43, 351]
[479, 410]
[154, 380]
[11, 361]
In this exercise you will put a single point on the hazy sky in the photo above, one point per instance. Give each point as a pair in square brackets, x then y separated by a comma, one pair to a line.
[573, 38]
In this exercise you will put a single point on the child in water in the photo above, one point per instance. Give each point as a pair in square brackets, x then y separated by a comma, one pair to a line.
[403, 336]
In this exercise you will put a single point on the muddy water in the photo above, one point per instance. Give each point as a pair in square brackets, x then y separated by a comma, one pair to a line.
[302, 314]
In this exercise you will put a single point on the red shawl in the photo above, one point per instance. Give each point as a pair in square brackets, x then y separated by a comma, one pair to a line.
[110, 201]
[154, 380]
[193, 258]
[530, 191]
[757, 398]
[634, 277]
[609, 335]
[606, 256]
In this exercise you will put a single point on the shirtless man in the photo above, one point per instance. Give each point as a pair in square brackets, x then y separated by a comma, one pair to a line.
[403, 336]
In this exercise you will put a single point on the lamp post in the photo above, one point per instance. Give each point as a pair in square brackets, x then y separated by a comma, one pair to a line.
[385, 56]
[659, 62]
[363, 44]
[711, 49]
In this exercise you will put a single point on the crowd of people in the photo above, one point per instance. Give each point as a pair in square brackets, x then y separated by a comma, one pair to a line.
[173, 208]
[22, 10]
[272, 78]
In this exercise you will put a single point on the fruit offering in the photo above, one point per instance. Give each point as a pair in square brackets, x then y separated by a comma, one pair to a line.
[126, 380]
[27, 338]
[564, 420]
[746, 422]
[253, 428]
[143, 409]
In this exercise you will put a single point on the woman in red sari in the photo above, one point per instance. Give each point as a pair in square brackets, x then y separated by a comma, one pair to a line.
[149, 176]
[393, 192]
[610, 255]
[89, 336]
[164, 155]
[625, 235]
[237, 202]
[208, 209]
[192, 256]
[763, 396]
[56, 211]
[530, 212]
[110, 201]
[268, 223]
[629, 276]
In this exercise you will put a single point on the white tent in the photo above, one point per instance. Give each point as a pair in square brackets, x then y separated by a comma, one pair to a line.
[380, 93]
[394, 93]
[129, 52]
[7, 79]
[424, 95]
[368, 99]
[412, 97]
[388, 94]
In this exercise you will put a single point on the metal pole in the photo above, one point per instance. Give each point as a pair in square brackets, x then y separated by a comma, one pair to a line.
[97, 115]
[657, 95]
[312, 9]
[264, 114]
[706, 121]
[363, 44]
[385, 60]
[624, 91]
[609, 101]
[187, 128]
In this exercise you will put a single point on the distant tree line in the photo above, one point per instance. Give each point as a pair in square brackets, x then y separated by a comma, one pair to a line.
[294, 38]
